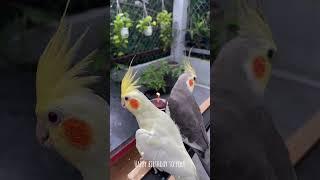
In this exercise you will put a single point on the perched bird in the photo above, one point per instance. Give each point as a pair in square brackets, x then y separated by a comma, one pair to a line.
[247, 146]
[71, 119]
[185, 112]
[158, 138]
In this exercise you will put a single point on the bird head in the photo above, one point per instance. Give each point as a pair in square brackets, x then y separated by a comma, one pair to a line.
[68, 112]
[189, 76]
[245, 62]
[131, 98]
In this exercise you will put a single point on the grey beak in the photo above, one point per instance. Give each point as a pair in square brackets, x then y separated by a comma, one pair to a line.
[42, 133]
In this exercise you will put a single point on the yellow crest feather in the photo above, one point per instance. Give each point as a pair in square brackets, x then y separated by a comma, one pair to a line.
[55, 76]
[252, 22]
[187, 65]
[128, 83]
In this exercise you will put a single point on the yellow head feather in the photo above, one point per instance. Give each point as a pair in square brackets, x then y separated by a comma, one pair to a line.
[252, 22]
[55, 78]
[187, 65]
[128, 83]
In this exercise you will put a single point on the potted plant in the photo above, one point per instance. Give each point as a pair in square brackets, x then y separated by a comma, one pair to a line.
[160, 103]
[164, 18]
[120, 34]
[145, 25]
[160, 78]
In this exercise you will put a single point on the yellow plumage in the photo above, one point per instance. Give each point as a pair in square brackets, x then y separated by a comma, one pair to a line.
[55, 76]
[252, 22]
[128, 83]
[187, 65]
[188, 68]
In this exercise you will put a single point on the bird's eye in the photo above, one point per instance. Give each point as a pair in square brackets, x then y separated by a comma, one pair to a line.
[53, 117]
[194, 78]
[126, 98]
[270, 53]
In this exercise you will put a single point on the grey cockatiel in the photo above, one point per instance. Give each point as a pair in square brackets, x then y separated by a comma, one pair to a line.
[247, 145]
[185, 111]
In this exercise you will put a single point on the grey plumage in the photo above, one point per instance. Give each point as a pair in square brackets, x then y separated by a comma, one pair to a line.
[185, 111]
[247, 145]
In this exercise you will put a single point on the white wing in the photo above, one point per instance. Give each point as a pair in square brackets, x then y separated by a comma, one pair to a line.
[154, 148]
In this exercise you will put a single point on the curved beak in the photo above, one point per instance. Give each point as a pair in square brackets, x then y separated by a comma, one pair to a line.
[42, 134]
[123, 103]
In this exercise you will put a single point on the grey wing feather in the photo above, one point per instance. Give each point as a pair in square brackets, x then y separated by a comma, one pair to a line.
[247, 145]
[185, 111]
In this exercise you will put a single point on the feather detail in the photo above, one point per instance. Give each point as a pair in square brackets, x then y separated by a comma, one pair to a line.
[128, 83]
[252, 22]
[55, 76]
[187, 65]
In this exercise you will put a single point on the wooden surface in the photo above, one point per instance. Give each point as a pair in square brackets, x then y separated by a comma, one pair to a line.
[304, 139]
[121, 168]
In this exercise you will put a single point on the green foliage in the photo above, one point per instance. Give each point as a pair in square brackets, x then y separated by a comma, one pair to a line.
[199, 28]
[165, 20]
[122, 20]
[176, 72]
[144, 23]
[153, 76]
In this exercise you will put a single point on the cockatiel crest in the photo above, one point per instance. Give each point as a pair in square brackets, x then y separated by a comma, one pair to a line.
[253, 26]
[252, 22]
[249, 55]
[190, 72]
[128, 83]
[55, 78]
[70, 117]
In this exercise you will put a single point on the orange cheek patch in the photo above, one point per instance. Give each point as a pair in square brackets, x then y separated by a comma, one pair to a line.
[78, 133]
[259, 67]
[134, 103]
[190, 82]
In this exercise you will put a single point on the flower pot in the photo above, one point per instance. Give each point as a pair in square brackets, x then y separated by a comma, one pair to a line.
[159, 103]
[148, 31]
[124, 32]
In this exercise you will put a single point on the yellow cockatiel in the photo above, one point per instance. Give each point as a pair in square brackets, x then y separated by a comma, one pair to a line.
[71, 119]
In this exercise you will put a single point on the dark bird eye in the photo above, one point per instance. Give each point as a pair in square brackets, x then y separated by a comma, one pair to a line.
[194, 78]
[126, 98]
[53, 117]
[270, 53]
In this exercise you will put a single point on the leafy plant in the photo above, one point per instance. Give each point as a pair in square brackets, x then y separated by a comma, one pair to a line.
[154, 76]
[176, 72]
[144, 23]
[199, 31]
[199, 27]
[165, 20]
[122, 20]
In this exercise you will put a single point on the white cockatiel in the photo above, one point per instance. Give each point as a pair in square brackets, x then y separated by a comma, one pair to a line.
[158, 138]
[71, 119]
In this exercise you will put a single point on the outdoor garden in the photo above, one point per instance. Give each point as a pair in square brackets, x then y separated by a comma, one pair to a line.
[157, 36]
